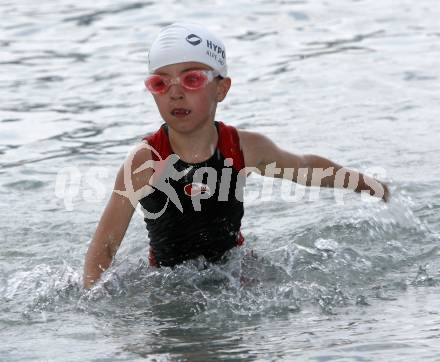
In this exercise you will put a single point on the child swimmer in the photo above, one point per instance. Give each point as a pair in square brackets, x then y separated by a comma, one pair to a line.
[189, 175]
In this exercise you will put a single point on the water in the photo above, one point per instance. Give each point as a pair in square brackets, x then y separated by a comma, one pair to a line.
[335, 278]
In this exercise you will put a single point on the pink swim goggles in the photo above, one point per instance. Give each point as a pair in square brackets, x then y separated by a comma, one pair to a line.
[191, 80]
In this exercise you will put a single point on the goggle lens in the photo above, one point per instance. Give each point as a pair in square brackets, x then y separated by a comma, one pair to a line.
[156, 84]
[194, 80]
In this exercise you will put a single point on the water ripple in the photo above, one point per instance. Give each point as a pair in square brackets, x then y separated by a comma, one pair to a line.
[89, 18]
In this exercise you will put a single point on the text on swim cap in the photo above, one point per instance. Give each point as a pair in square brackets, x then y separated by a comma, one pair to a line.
[217, 49]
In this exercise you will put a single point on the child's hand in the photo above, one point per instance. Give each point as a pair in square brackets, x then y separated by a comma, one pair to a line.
[386, 192]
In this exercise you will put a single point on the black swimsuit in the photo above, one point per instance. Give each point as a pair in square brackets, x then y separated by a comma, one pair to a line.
[205, 220]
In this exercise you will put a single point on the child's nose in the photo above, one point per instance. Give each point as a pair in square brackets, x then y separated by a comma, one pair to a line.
[176, 91]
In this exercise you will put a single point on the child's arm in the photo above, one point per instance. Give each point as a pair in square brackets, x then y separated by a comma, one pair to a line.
[108, 235]
[115, 219]
[309, 170]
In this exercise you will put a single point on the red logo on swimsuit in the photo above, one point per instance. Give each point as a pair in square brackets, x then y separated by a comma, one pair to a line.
[196, 189]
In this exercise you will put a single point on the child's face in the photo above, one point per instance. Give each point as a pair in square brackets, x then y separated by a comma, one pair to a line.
[187, 110]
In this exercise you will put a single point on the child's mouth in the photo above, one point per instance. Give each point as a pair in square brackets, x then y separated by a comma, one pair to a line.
[180, 112]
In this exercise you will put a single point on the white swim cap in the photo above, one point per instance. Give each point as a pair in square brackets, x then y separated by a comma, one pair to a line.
[186, 42]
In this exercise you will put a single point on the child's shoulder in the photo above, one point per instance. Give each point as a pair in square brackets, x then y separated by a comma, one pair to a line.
[256, 147]
[254, 140]
[136, 169]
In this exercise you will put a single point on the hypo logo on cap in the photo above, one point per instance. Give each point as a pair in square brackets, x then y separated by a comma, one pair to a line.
[193, 39]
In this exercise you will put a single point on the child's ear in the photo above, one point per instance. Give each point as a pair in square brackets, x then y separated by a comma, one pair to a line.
[223, 88]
